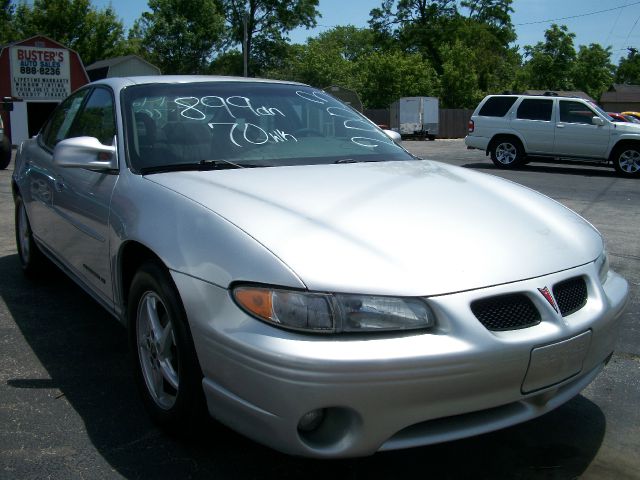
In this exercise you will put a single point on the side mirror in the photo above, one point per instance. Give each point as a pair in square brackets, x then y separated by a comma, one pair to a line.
[85, 152]
[597, 121]
[395, 136]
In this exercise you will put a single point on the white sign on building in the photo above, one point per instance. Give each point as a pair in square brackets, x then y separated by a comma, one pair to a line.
[39, 73]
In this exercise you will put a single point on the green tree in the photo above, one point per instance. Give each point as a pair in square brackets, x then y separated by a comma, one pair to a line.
[328, 59]
[459, 83]
[496, 14]
[316, 65]
[436, 28]
[383, 77]
[268, 22]
[550, 63]
[179, 36]
[417, 25]
[94, 34]
[628, 70]
[7, 33]
[593, 71]
[493, 63]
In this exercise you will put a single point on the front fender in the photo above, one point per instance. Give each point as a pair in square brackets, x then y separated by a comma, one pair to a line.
[190, 238]
[625, 137]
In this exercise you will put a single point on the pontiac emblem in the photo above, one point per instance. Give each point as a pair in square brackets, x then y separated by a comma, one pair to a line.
[547, 294]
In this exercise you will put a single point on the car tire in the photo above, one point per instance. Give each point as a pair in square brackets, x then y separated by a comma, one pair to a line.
[507, 153]
[32, 260]
[626, 161]
[166, 368]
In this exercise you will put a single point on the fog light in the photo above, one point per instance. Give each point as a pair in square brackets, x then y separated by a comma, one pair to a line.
[311, 420]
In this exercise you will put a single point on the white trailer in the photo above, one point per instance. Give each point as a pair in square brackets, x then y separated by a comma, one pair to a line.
[415, 117]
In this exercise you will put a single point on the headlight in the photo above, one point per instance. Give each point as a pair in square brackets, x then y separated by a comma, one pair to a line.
[602, 264]
[333, 313]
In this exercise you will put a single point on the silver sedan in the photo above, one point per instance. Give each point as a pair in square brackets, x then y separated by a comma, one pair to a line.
[285, 265]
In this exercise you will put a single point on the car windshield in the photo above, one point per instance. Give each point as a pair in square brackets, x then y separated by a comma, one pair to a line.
[246, 124]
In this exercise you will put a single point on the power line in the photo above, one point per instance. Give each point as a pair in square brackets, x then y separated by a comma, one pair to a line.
[634, 26]
[620, 7]
[577, 16]
[613, 27]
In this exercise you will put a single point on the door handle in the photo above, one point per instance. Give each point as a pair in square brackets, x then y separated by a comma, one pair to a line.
[560, 125]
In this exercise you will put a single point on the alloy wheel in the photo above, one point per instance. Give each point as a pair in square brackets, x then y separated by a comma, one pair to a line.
[157, 350]
[629, 161]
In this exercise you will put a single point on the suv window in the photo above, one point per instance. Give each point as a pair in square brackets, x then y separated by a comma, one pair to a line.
[535, 109]
[497, 106]
[575, 112]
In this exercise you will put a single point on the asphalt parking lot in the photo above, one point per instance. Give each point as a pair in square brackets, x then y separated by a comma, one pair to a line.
[69, 409]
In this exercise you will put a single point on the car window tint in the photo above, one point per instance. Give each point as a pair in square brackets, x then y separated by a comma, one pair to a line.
[96, 118]
[60, 122]
[535, 109]
[575, 112]
[497, 106]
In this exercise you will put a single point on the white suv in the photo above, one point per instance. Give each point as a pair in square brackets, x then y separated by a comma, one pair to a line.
[514, 127]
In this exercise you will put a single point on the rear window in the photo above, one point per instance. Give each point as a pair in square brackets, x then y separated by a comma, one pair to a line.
[535, 109]
[497, 106]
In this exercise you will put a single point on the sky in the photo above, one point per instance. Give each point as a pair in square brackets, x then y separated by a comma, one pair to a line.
[607, 22]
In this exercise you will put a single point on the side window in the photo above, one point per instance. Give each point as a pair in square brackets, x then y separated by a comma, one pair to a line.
[575, 112]
[535, 109]
[58, 125]
[497, 106]
[96, 118]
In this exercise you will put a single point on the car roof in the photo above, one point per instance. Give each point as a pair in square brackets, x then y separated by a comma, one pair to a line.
[118, 83]
[550, 97]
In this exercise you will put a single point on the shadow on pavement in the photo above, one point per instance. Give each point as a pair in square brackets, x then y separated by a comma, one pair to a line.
[583, 169]
[84, 351]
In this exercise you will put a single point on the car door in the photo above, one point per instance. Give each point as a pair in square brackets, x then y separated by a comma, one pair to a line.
[40, 170]
[82, 197]
[533, 120]
[576, 135]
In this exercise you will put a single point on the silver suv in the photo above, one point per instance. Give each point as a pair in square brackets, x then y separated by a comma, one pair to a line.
[514, 127]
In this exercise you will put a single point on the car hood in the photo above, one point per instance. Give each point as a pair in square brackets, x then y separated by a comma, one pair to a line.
[396, 228]
[628, 127]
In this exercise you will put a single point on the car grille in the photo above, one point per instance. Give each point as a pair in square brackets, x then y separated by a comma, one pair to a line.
[516, 310]
[506, 312]
[571, 295]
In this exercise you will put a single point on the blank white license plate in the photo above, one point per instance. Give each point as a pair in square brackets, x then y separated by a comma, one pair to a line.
[555, 363]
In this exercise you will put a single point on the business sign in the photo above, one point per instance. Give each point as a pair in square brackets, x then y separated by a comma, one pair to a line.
[40, 73]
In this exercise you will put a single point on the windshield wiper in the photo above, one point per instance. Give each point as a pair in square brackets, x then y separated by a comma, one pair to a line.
[353, 160]
[202, 165]
[346, 160]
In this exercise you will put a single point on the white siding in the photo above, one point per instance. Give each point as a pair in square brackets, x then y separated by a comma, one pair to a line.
[132, 67]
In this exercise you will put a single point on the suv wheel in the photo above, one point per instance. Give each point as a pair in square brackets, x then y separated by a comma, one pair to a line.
[507, 153]
[626, 161]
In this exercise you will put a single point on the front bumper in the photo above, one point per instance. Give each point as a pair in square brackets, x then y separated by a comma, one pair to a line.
[388, 392]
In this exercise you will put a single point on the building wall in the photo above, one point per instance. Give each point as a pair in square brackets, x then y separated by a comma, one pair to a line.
[621, 106]
[132, 67]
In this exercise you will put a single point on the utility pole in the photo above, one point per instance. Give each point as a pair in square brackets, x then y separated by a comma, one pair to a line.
[245, 37]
